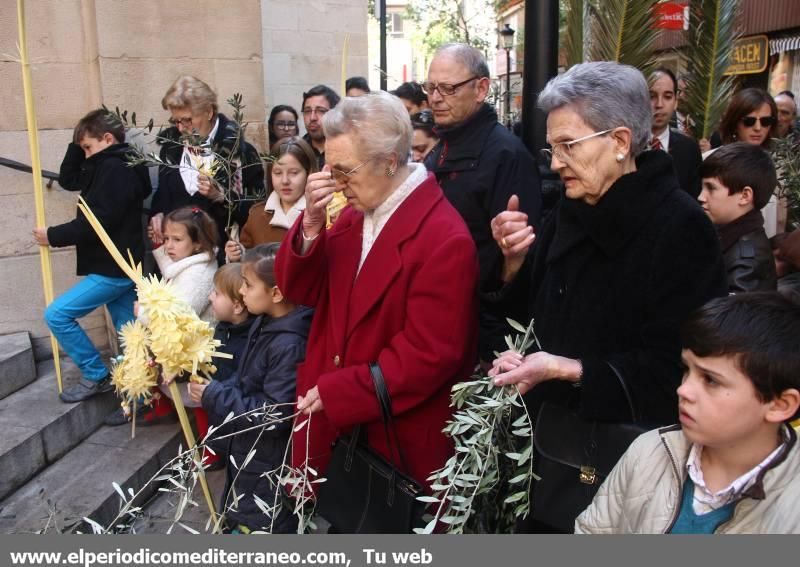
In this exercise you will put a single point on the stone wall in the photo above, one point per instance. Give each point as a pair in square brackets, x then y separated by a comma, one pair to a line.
[302, 46]
[122, 53]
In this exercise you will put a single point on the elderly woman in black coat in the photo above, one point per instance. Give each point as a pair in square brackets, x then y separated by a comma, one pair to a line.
[618, 265]
[200, 134]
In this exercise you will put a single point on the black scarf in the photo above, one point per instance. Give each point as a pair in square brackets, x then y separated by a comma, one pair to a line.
[730, 233]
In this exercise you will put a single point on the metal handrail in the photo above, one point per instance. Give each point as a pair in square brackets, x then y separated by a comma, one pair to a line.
[49, 175]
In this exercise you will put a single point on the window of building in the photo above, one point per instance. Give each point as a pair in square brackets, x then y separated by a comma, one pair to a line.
[395, 22]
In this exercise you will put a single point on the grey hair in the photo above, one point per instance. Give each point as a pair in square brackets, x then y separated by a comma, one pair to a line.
[468, 56]
[606, 95]
[378, 121]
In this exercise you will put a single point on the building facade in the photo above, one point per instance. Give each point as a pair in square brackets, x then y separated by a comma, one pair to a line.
[126, 53]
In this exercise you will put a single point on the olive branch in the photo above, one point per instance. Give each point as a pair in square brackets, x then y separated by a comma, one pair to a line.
[493, 435]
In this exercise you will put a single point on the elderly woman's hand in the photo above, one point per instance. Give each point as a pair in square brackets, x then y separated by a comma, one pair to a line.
[154, 229]
[704, 144]
[233, 251]
[209, 189]
[527, 372]
[310, 403]
[514, 236]
[320, 188]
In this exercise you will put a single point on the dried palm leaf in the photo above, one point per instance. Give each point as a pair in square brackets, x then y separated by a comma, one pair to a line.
[708, 52]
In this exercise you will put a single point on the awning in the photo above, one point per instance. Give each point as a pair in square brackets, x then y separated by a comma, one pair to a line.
[784, 44]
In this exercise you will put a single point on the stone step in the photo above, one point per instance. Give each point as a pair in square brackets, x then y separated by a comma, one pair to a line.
[80, 484]
[17, 366]
[38, 428]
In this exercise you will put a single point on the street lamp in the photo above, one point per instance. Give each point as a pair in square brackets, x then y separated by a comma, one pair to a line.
[508, 42]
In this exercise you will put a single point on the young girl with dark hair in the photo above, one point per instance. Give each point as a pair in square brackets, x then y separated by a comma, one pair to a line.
[266, 376]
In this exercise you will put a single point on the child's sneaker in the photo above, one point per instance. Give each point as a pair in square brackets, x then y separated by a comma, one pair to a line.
[86, 389]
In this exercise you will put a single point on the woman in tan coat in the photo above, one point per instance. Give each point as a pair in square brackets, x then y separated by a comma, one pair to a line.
[291, 162]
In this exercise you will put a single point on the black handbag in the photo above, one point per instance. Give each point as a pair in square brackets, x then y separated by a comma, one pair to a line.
[364, 493]
[573, 457]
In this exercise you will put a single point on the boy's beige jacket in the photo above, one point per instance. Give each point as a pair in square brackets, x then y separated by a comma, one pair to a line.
[643, 492]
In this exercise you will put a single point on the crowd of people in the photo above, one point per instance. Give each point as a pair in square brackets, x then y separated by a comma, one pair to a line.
[404, 229]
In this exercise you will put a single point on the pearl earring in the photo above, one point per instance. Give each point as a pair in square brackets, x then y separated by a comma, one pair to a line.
[620, 157]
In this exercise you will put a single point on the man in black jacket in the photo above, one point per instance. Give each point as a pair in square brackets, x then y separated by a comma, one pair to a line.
[685, 152]
[478, 162]
[96, 165]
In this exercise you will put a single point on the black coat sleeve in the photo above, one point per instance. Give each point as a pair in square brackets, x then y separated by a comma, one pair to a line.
[277, 386]
[69, 175]
[114, 186]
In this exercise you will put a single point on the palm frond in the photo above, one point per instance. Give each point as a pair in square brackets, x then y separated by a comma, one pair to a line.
[574, 32]
[623, 31]
[708, 52]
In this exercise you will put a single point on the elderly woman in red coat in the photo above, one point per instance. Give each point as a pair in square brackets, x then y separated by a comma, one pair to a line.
[393, 281]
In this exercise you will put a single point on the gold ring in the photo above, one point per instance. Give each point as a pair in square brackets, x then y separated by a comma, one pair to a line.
[503, 242]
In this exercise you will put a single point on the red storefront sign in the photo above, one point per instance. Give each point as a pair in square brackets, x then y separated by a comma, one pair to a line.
[671, 16]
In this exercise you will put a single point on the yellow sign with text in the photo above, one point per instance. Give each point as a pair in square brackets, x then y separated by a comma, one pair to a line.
[750, 55]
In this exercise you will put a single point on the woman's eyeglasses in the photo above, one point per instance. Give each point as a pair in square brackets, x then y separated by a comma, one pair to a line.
[563, 150]
[286, 124]
[185, 122]
[344, 176]
[750, 121]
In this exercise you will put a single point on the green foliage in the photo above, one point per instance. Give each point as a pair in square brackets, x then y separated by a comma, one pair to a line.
[708, 51]
[622, 31]
[444, 21]
[485, 486]
[787, 161]
[573, 13]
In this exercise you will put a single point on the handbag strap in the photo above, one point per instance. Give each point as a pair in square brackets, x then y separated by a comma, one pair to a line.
[628, 397]
[386, 412]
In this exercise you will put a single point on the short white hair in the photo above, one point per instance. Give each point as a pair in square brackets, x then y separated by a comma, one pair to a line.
[378, 121]
[606, 95]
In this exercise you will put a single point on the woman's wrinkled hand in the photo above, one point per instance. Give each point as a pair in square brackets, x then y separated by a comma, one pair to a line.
[209, 189]
[233, 251]
[310, 403]
[320, 188]
[514, 236]
[154, 229]
[525, 373]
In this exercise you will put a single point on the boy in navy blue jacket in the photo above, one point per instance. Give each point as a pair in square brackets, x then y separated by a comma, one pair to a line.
[96, 165]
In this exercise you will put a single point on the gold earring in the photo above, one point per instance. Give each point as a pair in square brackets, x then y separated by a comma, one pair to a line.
[389, 172]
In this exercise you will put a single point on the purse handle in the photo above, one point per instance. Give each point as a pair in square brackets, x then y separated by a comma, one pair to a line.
[386, 412]
[628, 397]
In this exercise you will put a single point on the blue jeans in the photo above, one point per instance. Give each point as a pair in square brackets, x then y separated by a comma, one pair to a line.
[82, 298]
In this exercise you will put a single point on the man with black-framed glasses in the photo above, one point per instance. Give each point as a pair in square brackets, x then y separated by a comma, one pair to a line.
[316, 103]
[479, 164]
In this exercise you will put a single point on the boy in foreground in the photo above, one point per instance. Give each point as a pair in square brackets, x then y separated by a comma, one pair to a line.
[731, 466]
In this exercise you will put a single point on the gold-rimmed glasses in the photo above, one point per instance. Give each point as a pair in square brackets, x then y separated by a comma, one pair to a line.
[563, 150]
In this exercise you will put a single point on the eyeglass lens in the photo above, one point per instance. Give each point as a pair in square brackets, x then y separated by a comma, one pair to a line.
[766, 121]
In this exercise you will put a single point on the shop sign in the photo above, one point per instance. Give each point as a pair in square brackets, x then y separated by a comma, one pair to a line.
[750, 55]
[671, 16]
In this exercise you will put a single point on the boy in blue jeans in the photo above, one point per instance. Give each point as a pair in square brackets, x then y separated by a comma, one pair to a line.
[96, 165]
[731, 466]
